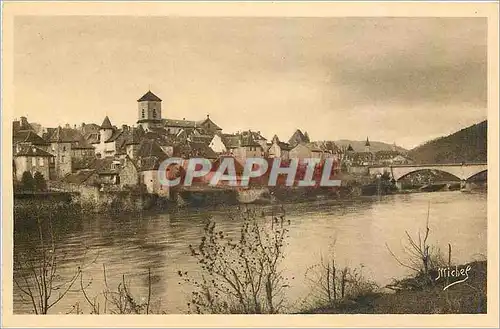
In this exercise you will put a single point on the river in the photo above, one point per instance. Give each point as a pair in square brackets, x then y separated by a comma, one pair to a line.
[356, 230]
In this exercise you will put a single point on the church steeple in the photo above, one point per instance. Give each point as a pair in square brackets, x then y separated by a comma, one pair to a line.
[367, 145]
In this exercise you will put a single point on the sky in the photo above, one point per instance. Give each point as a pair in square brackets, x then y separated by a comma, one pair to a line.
[402, 80]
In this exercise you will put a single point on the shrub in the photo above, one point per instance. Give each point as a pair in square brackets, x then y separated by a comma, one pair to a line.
[39, 182]
[241, 276]
[27, 181]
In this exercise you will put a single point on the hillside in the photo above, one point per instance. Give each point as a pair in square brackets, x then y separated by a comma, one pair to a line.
[359, 146]
[466, 145]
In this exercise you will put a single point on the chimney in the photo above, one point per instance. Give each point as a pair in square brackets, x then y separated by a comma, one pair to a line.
[67, 125]
[124, 127]
[74, 126]
[183, 118]
[24, 121]
[208, 116]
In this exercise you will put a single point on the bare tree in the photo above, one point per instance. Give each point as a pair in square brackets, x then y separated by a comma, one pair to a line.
[116, 301]
[241, 276]
[421, 257]
[36, 272]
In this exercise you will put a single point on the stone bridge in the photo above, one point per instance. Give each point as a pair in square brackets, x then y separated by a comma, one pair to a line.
[463, 171]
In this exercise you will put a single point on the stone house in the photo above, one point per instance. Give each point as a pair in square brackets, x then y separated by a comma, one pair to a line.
[69, 146]
[302, 151]
[278, 149]
[149, 157]
[31, 158]
[248, 147]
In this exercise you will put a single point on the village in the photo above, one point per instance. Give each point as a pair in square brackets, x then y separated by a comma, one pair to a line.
[105, 156]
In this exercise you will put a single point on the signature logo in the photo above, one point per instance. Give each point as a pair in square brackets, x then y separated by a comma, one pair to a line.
[460, 273]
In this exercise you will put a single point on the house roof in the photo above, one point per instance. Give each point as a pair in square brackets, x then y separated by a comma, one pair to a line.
[313, 147]
[30, 150]
[22, 125]
[81, 144]
[284, 146]
[150, 148]
[82, 163]
[79, 177]
[104, 165]
[179, 123]
[66, 135]
[297, 138]
[206, 139]
[93, 138]
[202, 150]
[116, 134]
[89, 127]
[149, 96]
[208, 122]
[230, 141]
[237, 165]
[28, 137]
[106, 124]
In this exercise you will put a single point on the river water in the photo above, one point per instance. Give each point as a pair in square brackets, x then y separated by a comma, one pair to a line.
[357, 231]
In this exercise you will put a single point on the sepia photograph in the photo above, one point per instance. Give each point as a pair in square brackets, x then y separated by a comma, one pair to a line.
[286, 164]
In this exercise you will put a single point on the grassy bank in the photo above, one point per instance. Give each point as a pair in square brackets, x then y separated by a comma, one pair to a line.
[468, 297]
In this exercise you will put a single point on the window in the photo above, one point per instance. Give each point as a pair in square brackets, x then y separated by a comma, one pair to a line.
[40, 162]
[62, 158]
[53, 147]
[64, 148]
[33, 162]
[143, 114]
[154, 113]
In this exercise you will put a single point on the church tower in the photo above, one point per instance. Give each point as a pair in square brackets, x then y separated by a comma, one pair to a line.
[149, 111]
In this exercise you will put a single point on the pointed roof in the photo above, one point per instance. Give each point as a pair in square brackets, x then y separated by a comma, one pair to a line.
[106, 124]
[367, 142]
[297, 138]
[149, 96]
[350, 148]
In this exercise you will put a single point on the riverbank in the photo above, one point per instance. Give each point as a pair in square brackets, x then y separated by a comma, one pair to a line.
[468, 297]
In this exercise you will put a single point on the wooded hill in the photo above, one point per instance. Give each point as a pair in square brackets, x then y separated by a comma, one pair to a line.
[466, 145]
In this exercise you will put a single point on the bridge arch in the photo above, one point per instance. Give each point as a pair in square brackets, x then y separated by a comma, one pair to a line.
[477, 174]
[463, 171]
[416, 170]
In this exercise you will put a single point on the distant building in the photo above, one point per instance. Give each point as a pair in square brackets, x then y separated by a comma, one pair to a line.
[248, 146]
[303, 151]
[298, 138]
[367, 145]
[278, 149]
[203, 127]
